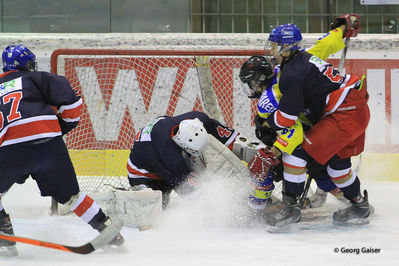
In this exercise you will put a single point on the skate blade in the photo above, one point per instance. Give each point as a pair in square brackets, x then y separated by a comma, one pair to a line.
[357, 221]
[279, 229]
[8, 251]
[353, 222]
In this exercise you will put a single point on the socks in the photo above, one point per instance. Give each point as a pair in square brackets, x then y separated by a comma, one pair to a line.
[88, 210]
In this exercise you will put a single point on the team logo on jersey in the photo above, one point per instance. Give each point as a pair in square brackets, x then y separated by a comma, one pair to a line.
[267, 102]
[145, 133]
[282, 142]
[11, 85]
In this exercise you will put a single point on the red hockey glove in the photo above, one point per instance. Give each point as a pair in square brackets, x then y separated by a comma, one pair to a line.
[260, 164]
[351, 22]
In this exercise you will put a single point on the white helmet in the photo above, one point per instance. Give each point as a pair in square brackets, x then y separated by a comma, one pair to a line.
[191, 136]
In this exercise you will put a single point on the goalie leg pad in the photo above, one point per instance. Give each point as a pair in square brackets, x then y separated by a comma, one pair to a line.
[141, 209]
[260, 193]
[262, 181]
[223, 162]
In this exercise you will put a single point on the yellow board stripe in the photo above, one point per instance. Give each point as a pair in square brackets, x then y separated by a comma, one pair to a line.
[100, 162]
[379, 167]
[374, 166]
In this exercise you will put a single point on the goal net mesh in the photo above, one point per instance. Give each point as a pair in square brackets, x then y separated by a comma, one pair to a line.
[124, 90]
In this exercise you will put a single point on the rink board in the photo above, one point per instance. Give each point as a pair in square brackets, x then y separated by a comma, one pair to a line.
[374, 166]
[100, 162]
[380, 167]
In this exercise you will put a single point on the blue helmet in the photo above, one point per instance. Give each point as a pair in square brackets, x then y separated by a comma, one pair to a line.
[275, 34]
[286, 34]
[18, 57]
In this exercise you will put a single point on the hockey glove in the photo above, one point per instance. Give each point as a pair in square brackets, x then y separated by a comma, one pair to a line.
[260, 165]
[277, 172]
[263, 132]
[351, 22]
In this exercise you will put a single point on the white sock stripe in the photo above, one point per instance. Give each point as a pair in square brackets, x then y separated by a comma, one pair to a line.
[295, 178]
[90, 213]
[82, 196]
[337, 173]
[293, 160]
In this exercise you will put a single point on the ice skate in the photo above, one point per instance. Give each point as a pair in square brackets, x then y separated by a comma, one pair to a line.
[257, 215]
[289, 214]
[356, 214]
[7, 248]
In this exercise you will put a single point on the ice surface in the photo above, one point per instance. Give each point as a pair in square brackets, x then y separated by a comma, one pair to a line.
[199, 231]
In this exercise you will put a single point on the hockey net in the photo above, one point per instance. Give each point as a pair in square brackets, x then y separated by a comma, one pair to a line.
[124, 90]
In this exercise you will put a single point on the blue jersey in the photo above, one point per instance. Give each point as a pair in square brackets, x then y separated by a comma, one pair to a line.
[270, 98]
[328, 44]
[155, 155]
[36, 109]
[305, 83]
[34, 105]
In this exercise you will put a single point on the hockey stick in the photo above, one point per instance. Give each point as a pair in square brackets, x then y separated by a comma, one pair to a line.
[340, 68]
[343, 55]
[302, 201]
[207, 92]
[109, 233]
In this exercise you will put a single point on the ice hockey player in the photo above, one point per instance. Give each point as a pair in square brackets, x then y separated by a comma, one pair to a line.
[31, 141]
[260, 78]
[164, 152]
[285, 141]
[336, 105]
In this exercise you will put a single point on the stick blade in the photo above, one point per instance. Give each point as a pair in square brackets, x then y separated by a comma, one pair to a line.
[105, 237]
[109, 233]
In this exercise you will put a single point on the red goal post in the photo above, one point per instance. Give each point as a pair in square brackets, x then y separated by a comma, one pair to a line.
[123, 90]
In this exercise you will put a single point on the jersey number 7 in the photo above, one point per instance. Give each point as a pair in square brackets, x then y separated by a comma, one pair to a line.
[14, 98]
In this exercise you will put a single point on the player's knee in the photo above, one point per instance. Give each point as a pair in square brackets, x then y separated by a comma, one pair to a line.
[73, 199]
[342, 175]
[294, 168]
[338, 163]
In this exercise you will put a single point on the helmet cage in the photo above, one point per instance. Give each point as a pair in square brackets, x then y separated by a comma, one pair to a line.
[191, 136]
[255, 72]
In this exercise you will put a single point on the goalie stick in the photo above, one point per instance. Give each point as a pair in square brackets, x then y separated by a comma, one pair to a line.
[109, 233]
[343, 55]
[340, 68]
